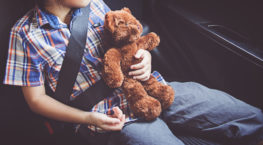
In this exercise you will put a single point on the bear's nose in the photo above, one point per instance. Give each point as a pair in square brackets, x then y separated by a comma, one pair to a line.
[134, 31]
[138, 26]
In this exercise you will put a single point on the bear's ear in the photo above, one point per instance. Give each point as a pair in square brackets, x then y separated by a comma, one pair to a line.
[126, 10]
[109, 21]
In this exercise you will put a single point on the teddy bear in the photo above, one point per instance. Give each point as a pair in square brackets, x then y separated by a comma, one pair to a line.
[122, 34]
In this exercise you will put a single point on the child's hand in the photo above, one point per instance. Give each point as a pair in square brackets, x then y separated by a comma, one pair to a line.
[117, 113]
[109, 123]
[142, 70]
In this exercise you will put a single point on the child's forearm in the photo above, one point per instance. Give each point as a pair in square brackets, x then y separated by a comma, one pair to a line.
[51, 108]
[45, 105]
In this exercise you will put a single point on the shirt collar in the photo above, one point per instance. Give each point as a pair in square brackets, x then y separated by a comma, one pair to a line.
[45, 18]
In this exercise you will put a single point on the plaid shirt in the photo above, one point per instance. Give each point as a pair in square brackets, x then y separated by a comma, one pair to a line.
[37, 47]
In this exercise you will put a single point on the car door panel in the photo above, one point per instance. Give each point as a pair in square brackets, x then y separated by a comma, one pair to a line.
[209, 51]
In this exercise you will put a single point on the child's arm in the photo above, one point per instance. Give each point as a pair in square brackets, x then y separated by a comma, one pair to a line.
[45, 105]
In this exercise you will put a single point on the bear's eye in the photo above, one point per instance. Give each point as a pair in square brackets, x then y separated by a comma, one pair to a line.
[121, 23]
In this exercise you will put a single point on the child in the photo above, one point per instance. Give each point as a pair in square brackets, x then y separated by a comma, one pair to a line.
[37, 47]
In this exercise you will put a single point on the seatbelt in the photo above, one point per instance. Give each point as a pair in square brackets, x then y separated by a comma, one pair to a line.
[71, 65]
[68, 74]
[74, 54]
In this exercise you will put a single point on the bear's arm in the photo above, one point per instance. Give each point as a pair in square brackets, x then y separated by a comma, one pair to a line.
[112, 72]
[149, 41]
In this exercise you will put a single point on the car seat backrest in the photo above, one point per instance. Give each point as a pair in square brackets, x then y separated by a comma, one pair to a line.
[10, 12]
[136, 6]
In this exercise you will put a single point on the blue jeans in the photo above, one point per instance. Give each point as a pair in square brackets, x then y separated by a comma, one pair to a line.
[196, 110]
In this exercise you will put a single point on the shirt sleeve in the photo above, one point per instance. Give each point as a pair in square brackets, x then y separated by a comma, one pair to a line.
[23, 67]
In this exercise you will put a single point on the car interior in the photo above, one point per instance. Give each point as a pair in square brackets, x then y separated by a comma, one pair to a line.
[213, 42]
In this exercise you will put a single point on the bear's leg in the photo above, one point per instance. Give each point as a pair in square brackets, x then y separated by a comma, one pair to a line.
[163, 93]
[141, 104]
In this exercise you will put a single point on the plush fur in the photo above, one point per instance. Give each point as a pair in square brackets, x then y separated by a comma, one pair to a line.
[122, 33]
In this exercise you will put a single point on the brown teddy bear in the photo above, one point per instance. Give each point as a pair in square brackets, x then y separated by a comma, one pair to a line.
[122, 33]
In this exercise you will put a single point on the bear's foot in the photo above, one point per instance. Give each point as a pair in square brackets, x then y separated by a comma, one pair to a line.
[147, 107]
[163, 93]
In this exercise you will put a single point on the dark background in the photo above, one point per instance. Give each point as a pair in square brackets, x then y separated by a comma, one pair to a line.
[14, 112]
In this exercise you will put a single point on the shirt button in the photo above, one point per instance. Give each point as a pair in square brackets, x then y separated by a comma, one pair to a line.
[96, 25]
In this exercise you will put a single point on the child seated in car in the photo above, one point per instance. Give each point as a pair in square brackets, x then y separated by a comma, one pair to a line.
[37, 46]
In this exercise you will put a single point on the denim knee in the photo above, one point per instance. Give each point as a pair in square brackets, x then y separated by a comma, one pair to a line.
[145, 133]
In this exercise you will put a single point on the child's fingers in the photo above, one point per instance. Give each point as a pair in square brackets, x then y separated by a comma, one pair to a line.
[115, 127]
[138, 72]
[138, 65]
[117, 112]
[142, 77]
[110, 120]
[146, 60]
[139, 53]
[141, 74]
[142, 64]
[123, 118]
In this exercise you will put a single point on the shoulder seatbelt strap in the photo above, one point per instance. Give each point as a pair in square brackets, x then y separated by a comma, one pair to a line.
[73, 57]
